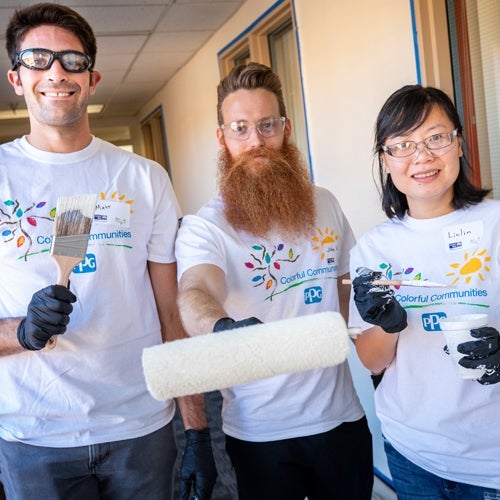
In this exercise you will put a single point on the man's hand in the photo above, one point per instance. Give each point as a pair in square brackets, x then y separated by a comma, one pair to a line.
[197, 466]
[376, 303]
[483, 353]
[229, 323]
[48, 314]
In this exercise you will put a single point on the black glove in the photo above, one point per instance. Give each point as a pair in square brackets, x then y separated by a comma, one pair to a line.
[48, 314]
[376, 303]
[229, 323]
[482, 353]
[197, 466]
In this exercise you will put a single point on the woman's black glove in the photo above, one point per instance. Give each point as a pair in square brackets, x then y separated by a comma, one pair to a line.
[198, 466]
[48, 314]
[229, 323]
[483, 353]
[376, 303]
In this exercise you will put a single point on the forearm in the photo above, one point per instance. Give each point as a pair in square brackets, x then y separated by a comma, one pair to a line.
[344, 292]
[199, 311]
[376, 349]
[8, 337]
[193, 411]
[202, 292]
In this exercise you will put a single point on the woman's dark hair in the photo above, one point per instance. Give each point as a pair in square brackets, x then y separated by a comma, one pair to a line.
[40, 14]
[404, 111]
[250, 76]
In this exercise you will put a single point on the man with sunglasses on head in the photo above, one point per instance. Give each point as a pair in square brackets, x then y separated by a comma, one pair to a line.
[77, 421]
[272, 246]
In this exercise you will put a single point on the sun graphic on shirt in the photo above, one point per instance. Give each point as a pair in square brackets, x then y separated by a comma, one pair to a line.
[323, 239]
[117, 197]
[475, 264]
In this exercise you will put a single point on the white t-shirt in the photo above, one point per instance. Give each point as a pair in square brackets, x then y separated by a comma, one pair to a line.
[90, 388]
[444, 424]
[273, 280]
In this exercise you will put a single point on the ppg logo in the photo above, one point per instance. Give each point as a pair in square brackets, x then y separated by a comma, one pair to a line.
[313, 295]
[430, 321]
[87, 265]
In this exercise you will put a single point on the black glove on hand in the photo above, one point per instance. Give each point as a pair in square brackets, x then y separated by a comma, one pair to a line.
[483, 353]
[376, 303]
[48, 314]
[229, 323]
[197, 466]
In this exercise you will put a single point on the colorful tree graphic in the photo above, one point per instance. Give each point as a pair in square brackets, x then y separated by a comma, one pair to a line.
[15, 222]
[265, 263]
[391, 275]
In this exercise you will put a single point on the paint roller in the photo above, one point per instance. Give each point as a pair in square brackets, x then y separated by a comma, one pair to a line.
[219, 360]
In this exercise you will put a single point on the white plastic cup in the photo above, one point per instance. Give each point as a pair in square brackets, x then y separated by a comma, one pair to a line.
[456, 330]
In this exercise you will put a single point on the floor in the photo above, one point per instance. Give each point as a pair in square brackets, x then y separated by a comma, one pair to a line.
[225, 488]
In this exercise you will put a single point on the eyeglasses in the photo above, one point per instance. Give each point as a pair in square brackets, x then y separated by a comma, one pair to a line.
[242, 129]
[433, 145]
[42, 59]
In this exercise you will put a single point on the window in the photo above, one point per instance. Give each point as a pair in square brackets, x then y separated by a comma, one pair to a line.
[272, 40]
[475, 45]
[153, 134]
[459, 48]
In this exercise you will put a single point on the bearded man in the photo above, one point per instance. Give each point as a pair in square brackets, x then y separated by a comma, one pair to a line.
[271, 246]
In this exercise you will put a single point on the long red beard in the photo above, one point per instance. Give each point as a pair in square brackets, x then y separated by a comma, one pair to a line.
[267, 191]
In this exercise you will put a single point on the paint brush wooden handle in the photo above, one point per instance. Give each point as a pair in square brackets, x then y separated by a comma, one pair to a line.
[417, 283]
[378, 282]
[65, 266]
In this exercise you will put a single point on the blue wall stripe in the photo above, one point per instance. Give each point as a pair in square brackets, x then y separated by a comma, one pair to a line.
[415, 41]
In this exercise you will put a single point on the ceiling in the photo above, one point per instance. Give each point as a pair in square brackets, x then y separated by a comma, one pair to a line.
[140, 46]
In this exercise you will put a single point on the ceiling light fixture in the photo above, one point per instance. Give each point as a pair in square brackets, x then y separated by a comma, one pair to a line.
[18, 114]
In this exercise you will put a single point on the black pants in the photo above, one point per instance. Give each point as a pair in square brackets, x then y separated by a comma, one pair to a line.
[337, 464]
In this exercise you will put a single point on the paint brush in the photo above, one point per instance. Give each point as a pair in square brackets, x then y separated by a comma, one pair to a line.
[74, 215]
[418, 283]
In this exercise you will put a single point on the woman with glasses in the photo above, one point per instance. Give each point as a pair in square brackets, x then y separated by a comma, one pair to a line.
[441, 432]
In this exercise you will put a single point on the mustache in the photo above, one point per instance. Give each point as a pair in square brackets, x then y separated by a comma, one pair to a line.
[260, 152]
[270, 160]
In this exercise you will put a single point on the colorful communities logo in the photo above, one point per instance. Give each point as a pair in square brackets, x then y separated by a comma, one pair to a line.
[265, 263]
[17, 222]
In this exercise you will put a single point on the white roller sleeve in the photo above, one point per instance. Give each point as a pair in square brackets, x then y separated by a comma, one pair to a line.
[225, 359]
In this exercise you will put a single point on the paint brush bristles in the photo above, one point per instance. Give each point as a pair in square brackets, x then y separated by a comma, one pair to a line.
[74, 215]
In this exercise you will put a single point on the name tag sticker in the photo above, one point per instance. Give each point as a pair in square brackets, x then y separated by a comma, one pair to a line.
[112, 213]
[463, 236]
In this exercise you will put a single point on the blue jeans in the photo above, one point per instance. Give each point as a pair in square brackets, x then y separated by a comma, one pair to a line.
[413, 482]
[119, 470]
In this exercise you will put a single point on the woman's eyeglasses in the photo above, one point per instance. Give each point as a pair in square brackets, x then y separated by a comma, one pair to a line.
[432, 145]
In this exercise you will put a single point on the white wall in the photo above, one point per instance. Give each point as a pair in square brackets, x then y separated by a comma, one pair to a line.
[353, 55]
